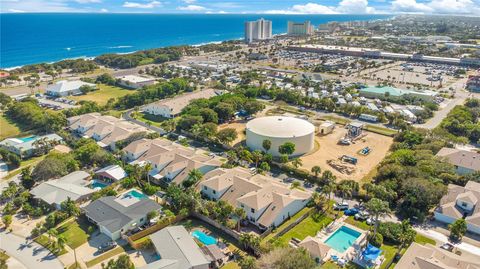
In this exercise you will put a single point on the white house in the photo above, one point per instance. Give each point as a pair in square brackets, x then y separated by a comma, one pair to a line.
[135, 82]
[465, 162]
[265, 201]
[65, 87]
[461, 202]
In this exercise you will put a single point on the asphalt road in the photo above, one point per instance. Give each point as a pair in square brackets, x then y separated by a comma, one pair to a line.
[31, 254]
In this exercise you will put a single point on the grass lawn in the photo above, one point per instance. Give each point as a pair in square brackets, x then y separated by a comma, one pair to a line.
[231, 265]
[150, 119]
[309, 226]
[421, 239]
[359, 224]
[75, 231]
[24, 164]
[107, 255]
[288, 222]
[43, 240]
[332, 265]
[8, 128]
[102, 95]
[388, 253]
[380, 130]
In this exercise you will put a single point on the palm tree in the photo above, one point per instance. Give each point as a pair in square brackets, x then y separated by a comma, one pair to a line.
[257, 157]
[266, 144]
[407, 234]
[316, 170]
[297, 163]
[195, 176]
[377, 208]
[52, 233]
[240, 213]
[345, 190]
[61, 241]
[249, 240]
[146, 169]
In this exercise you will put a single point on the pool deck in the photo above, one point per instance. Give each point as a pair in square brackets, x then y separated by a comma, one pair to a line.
[353, 250]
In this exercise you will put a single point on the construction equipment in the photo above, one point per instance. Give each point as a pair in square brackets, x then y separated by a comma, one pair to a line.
[349, 159]
[341, 167]
[365, 151]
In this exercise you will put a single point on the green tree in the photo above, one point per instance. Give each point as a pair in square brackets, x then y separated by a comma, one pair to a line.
[122, 262]
[70, 207]
[287, 148]
[247, 262]
[287, 258]
[227, 135]
[194, 176]
[297, 162]
[316, 170]
[407, 234]
[266, 144]
[458, 229]
[257, 157]
[264, 166]
[7, 220]
[377, 208]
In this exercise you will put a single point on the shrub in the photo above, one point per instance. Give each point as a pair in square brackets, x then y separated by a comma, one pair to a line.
[376, 240]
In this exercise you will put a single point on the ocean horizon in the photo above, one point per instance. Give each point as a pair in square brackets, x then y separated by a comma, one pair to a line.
[32, 38]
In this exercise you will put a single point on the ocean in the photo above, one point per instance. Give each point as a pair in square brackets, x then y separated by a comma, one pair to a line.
[41, 37]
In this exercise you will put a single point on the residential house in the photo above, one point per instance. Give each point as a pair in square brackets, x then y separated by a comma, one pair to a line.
[176, 249]
[428, 256]
[115, 216]
[461, 202]
[65, 88]
[106, 130]
[170, 108]
[318, 250]
[465, 162]
[171, 162]
[111, 173]
[265, 201]
[27, 146]
[56, 191]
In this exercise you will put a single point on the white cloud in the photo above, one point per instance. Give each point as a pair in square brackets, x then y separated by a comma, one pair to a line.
[189, 1]
[104, 10]
[88, 1]
[354, 6]
[192, 8]
[436, 7]
[309, 8]
[12, 10]
[152, 4]
[36, 6]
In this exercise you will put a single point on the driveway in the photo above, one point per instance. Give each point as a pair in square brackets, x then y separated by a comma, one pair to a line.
[30, 254]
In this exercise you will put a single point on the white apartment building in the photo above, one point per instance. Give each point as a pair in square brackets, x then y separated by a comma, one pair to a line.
[300, 28]
[258, 30]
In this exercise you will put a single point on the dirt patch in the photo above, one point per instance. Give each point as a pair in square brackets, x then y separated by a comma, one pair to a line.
[331, 150]
[238, 125]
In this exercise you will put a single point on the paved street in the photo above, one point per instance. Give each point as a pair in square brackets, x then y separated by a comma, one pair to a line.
[31, 254]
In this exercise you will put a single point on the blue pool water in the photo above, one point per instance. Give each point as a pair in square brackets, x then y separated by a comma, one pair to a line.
[342, 239]
[27, 139]
[95, 184]
[204, 238]
[136, 194]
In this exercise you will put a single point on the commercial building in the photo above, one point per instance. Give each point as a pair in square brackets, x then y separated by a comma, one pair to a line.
[258, 30]
[473, 83]
[396, 93]
[27, 146]
[375, 53]
[266, 201]
[135, 82]
[106, 130]
[65, 88]
[177, 249]
[428, 256]
[279, 130]
[115, 216]
[465, 162]
[171, 162]
[170, 108]
[461, 202]
[73, 186]
[299, 28]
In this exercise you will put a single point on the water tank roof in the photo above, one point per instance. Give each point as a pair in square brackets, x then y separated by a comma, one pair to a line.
[280, 126]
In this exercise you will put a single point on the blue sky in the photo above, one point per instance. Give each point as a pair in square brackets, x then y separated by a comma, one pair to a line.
[463, 7]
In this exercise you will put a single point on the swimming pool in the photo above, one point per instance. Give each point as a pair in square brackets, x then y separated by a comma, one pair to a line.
[342, 239]
[204, 238]
[96, 184]
[135, 194]
[27, 139]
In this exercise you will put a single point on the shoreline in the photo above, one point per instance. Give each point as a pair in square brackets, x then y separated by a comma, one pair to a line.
[92, 57]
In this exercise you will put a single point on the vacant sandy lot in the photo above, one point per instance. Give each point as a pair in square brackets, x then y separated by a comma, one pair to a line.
[329, 149]
[238, 125]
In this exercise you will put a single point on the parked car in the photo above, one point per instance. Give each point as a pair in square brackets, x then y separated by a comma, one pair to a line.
[362, 215]
[370, 221]
[107, 246]
[448, 247]
[340, 206]
[351, 211]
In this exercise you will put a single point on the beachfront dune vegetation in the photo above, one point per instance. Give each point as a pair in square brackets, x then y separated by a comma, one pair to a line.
[74, 65]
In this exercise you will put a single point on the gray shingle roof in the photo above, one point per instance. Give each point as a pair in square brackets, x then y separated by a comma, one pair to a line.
[175, 243]
[113, 216]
